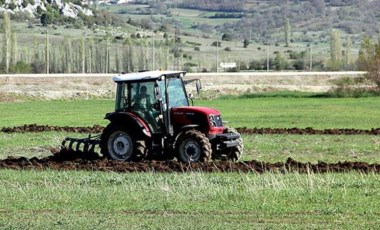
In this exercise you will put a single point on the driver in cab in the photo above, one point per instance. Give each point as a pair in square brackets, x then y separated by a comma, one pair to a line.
[143, 100]
[143, 105]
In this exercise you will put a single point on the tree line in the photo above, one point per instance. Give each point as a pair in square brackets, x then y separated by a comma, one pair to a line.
[55, 54]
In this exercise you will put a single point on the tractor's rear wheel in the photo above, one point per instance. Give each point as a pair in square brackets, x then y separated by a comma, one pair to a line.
[118, 144]
[193, 146]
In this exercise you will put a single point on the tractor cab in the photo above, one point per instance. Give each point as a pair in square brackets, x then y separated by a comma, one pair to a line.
[153, 117]
[150, 96]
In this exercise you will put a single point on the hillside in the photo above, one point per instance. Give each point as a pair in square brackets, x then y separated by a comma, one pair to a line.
[262, 20]
[52, 8]
[195, 35]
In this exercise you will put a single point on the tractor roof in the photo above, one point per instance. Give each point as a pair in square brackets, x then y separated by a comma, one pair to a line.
[148, 75]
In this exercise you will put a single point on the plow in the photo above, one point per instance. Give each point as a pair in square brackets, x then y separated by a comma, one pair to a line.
[88, 145]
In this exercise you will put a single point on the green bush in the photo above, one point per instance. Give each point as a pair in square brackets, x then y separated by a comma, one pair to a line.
[25, 3]
[20, 67]
[351, 87]
[12, 6]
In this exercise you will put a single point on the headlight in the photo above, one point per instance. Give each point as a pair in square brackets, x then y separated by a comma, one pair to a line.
[212, 120]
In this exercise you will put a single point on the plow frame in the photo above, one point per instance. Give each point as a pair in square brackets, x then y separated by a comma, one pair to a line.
[89, 144]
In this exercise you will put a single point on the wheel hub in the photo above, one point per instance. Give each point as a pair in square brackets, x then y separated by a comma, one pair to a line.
[192, 150]
[120, 146]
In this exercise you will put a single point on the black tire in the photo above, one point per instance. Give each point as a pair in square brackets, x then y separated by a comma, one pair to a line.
[117, 143]
[193, 146]
[234, 153]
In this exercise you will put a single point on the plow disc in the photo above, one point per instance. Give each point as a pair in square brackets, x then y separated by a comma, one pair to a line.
[86, 147]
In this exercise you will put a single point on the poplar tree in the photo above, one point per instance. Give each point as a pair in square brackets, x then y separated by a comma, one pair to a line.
[131, 58]
[47, 51]
[68, 56]
[89, 55]
[13, 56]
[287, 32]
[117, 61]
[336, 50]
[374, 66]
[107, 53]
[369, 60]
[7, 41]
[365, 52]
[348, 54]
[82, 53]
[141, 58]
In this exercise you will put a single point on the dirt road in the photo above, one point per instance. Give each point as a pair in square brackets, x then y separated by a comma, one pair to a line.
[56, 86]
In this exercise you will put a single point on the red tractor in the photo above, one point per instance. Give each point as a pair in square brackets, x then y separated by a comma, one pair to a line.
[153, 118]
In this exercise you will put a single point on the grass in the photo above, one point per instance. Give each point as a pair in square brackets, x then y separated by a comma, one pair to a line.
[65, 199]
[31, 144]
[312, 148]
[275, 112]
[318, 113]
[56, 112]
[81, 200]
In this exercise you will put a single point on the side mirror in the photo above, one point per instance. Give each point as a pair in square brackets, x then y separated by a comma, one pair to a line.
[198, 85]
[190, 97]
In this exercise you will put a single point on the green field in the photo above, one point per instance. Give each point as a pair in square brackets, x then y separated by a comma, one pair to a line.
[274, 112]
[94, 200]
[78, 199]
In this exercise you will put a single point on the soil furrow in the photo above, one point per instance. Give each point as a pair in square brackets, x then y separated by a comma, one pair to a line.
[65, 160]
[243, 130]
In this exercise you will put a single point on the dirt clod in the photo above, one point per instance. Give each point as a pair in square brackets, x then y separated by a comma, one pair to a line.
[67, 160]
[294, 131]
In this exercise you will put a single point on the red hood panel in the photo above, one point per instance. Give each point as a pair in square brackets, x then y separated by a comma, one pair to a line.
[187, 115]
[199, 109]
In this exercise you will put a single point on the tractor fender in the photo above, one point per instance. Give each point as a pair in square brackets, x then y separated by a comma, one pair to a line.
[133, 122]
[186, 127]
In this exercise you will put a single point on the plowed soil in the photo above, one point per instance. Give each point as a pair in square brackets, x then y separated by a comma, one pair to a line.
[294, 131]
[66, 160]
[69, 160]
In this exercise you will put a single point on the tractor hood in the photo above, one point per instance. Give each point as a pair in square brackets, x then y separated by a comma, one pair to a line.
[194, 109]
[207, 119]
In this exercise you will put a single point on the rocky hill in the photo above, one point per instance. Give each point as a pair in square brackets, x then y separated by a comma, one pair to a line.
[37, 7]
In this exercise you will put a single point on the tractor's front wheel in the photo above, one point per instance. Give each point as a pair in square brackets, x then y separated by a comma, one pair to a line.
[234, 153]
[117, 144]
[193, 146]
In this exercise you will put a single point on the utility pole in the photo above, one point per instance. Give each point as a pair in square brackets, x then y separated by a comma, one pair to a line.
[217, 55]
[176, 35]
[311, 57]
[153, 66]
[267, 58]
[47, 50]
